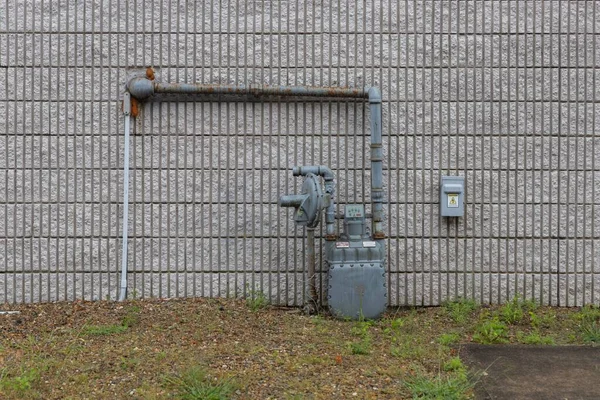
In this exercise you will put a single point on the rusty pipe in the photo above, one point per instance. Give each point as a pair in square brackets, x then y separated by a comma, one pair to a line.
[142, 88]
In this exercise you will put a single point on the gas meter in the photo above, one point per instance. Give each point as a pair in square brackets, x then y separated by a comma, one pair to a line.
[355, 261]
[357, 287]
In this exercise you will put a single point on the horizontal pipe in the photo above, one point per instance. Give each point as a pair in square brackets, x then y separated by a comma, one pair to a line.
[291, 200]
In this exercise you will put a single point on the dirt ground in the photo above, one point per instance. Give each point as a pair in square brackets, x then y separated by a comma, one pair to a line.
[108, 350]
[535, 373]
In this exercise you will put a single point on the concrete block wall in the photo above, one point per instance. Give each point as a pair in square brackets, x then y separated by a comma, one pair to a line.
[504, 93]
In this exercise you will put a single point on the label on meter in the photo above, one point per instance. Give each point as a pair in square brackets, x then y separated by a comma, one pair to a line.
[342, 245]
[354, 211]
[452, 200]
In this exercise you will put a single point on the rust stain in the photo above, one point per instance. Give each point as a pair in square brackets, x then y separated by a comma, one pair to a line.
[150, 73]
[135, 107]
[378, 235]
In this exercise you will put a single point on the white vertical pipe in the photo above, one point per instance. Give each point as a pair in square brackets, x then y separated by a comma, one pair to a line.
[127, 113]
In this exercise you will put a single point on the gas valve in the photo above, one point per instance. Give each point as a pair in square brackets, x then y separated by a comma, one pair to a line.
[308, 204]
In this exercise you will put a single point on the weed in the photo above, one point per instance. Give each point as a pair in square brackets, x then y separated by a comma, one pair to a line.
[454, 387]
[19, 384]
[591, 332]
[542, 321]
[196, 384]
[363, 346]
[535, 338]
[132, 317]
[491, 331]
[455, 364]
[408, 350]
[256, 300]
[129, 363]
[100, 330]
[460, 309]
[512, 312]
[588, 314]
[361, 328]
[394, 325]
[448, 339]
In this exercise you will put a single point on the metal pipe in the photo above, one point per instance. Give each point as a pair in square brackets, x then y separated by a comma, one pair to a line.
[291, 200]
[376, 164]
[142, 88]
[328, 177]
[310, 270]
[127, 113]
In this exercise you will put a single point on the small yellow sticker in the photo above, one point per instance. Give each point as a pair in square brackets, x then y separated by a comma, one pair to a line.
[452, 200]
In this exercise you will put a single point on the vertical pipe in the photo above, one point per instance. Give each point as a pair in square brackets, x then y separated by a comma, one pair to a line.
[376, 163]
[126, 112]
[310, 270]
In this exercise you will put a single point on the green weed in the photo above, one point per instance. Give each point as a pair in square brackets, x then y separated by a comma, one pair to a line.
[361, 347]
[18, 385]
[196, 384]
[132, 317]
[455, 364]
[454, 387]
[407, 349]
[588, 314]
[361, 328]
[448, 339]
[535, 338]
[514, 311]
[491, 331]
[591, 332]
[460, 309]
[256, 300]
[542, 321]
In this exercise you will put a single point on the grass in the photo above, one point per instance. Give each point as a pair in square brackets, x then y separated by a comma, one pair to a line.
[18, 385]
[196, 384]
[256, 300]
[515, 310]
[491, 331]
[588, 314]
[75, 350]
[447, 339]
[535, 338]
[454, 387]
[460, 309]
[591, 332]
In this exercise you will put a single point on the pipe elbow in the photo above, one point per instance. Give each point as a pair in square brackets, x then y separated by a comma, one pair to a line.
[326, 173]
[140, 88]
[374, 94]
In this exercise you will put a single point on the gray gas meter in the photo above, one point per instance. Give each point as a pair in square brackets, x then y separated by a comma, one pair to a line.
[357, 287]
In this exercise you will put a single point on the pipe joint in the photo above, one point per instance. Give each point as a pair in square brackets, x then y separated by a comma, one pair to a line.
[320, 170]
[374, 95]
[141, 88]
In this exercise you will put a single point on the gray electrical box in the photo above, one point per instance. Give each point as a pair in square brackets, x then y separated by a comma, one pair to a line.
[452, 196]
[356, 273]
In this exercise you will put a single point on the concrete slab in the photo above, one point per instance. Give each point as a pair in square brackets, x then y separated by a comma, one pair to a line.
[535, 372]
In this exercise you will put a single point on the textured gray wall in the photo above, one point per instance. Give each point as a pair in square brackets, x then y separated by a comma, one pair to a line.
[504, 93]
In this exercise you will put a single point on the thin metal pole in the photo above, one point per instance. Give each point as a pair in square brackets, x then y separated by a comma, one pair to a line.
[126, 112]
[310, 270]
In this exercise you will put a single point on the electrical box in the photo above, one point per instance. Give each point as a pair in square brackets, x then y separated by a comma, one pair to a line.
[452, 195]
[356, 269]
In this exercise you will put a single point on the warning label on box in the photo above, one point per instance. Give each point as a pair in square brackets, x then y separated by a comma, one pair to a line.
[452, 200]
